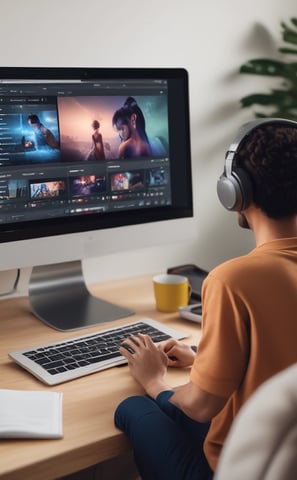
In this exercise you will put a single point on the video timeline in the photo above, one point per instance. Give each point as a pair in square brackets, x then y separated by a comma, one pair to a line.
[83, 188]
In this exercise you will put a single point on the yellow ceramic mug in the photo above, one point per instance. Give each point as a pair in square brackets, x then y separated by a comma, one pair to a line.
[171, 292]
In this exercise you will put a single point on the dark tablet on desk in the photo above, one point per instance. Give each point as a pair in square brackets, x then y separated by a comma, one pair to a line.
[195, 274]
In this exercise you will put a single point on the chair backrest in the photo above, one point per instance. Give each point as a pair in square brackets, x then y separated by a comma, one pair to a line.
[262, 443]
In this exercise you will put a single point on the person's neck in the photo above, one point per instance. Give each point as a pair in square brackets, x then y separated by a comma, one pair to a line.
[266, 229]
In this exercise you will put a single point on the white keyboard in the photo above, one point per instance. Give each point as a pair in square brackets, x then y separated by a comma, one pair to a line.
[75, 357]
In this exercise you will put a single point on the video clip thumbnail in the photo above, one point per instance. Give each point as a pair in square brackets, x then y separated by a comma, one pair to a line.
[48, 189]
[88, 185]
[127, 181]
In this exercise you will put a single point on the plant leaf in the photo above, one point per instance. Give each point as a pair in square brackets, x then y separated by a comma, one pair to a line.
[287, 50]
[290, 37]
[289, 115]
[264, 66]
[294, 21]
[281, 98]
[256, 98]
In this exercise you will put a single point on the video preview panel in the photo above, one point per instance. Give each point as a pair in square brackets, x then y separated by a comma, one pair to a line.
[112, 127]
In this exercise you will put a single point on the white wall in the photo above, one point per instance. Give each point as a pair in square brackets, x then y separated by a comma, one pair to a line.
[210, 39]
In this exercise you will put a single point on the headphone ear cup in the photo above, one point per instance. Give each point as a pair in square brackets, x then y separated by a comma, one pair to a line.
[227, 192]
[235, 192]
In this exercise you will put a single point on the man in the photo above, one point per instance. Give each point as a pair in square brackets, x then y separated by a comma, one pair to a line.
[249, 327]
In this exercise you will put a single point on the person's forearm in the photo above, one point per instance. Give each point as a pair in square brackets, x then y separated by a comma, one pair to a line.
[181, 398]
[155, 387]
[196, 403]
[178, 398]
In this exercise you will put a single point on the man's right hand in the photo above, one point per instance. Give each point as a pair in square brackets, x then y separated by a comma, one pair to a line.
[179, 354]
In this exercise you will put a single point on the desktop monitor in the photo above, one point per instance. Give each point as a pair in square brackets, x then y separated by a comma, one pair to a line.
[83, 151]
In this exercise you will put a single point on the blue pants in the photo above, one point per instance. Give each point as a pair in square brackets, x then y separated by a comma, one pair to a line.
[167, 444]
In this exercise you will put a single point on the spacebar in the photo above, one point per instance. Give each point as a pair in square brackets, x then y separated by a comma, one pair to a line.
[108, 356]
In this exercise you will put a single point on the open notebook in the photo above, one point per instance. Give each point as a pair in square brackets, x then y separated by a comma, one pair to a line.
[30, 414]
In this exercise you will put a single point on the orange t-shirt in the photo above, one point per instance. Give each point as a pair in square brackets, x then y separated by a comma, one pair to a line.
[249, 330]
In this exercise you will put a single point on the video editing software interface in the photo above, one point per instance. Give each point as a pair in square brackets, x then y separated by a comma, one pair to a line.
[72, 147]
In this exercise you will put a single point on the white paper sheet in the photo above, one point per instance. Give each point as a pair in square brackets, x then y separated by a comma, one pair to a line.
[30, 414]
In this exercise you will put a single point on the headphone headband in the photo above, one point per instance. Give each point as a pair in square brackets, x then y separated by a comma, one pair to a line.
[234, 187]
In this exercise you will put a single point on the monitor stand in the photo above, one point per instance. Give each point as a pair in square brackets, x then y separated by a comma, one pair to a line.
[59, 297]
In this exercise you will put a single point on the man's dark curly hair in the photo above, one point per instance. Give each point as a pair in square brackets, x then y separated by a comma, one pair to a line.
[269, 155]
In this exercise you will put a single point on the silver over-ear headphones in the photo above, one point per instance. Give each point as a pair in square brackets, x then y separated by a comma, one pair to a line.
[234, 187]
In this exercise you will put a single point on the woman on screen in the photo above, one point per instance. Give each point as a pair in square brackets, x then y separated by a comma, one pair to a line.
[97, 152]
[129, 121]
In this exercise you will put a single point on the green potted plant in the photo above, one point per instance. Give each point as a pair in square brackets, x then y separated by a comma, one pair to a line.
[281, 102]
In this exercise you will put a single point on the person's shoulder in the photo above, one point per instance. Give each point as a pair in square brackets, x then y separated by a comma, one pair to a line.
[232, 264]
[235, 269]
[125, 146]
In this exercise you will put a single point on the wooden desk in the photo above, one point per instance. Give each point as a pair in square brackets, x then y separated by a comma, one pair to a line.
[89, 402]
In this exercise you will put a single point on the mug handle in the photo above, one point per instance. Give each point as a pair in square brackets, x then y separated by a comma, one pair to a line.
[189, 291]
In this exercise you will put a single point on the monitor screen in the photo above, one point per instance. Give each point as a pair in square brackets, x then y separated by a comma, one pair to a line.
[85, 149]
